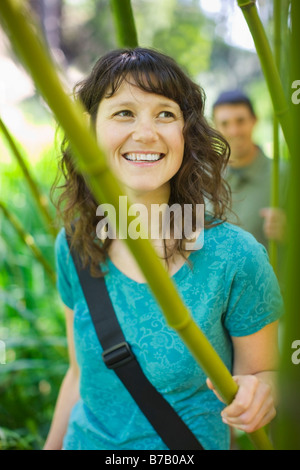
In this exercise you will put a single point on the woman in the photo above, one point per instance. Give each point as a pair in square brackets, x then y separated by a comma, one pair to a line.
[149, 117]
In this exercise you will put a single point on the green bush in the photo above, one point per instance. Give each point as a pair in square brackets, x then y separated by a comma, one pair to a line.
[31, 315]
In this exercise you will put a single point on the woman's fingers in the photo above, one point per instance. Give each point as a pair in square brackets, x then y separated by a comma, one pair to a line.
[252, 407]
[211, 387]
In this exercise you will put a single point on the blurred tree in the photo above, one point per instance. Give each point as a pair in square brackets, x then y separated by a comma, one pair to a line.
[84, 30]
[186, 38]
[87, 32]
[49, 13]
[76, 32]
[234, 66]
[148, 21]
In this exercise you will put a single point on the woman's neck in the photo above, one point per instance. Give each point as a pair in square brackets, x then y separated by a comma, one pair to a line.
[150, 208]
[119, 251]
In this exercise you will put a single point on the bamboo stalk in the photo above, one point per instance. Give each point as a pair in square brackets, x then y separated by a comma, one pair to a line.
[39, 198]
[29, 242]
[124, 23]
[288, 425]
[280, 105]
[273, 245]
[105, 187]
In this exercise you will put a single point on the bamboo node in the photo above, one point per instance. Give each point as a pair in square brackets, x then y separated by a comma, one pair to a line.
[283, 111]
[181, 325]
[248, 4]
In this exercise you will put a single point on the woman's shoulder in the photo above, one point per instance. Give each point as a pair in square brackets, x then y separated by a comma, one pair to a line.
[61, 237]
[230, 241]
[61, 244]
[225, 232]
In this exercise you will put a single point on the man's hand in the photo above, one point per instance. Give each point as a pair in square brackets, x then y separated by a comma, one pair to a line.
[275, 223]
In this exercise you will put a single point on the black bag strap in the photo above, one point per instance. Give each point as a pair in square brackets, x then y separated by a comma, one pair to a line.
[117, 355]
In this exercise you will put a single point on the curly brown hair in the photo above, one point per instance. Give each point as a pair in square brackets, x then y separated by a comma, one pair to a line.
[206, 153]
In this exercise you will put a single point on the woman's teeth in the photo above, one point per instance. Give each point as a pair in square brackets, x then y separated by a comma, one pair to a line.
[145, 157]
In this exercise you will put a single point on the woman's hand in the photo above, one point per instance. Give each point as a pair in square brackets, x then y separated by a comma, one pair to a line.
[253, 406]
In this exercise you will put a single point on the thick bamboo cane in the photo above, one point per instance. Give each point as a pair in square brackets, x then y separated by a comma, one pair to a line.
[124, 23]
[288, 423]
[40, 199]
[280, 104]
[105, 187]
[273, 246]
[29, 242]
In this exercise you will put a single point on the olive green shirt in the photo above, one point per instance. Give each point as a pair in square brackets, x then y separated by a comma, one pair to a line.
[251, 191]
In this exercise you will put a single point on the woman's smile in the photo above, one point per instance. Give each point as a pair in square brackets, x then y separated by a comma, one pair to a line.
[143, 157]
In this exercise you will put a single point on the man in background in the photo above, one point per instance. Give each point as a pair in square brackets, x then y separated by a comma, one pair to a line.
[249, 170]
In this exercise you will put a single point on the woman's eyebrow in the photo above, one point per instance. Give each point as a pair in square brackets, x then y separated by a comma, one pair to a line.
[122, 104]
[163, 104]
[168, 104]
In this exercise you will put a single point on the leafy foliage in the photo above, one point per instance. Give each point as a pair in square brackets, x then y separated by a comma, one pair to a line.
[186, 40]
[31, 319]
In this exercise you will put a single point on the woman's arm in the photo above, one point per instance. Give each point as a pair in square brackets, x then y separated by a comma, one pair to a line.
[68, 395]
[255, 364]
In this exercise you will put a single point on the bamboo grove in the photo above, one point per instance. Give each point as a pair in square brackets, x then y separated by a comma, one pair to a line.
[91, 161]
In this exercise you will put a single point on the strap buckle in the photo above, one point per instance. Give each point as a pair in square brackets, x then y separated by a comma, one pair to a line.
[118, 355]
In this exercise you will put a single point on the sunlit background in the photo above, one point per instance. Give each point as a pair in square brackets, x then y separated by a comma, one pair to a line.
[218, 52]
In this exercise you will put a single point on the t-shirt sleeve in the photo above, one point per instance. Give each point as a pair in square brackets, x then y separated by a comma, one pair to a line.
[63, 265]
[254, 298]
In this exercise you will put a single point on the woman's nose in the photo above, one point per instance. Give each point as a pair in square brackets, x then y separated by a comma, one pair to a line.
[145, 131]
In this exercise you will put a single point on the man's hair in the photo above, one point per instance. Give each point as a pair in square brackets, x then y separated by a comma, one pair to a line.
[233, 97]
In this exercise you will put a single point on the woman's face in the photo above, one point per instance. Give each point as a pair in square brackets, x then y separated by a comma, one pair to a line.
[142, 134]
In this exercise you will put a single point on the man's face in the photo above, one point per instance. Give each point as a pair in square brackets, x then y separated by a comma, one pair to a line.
[236, 123]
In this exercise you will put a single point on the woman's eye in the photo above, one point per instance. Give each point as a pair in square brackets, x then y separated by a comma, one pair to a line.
[166, 114]
[124, 113]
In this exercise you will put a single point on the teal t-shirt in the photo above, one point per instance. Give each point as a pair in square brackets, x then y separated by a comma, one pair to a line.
[230, 289]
